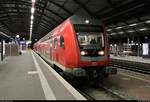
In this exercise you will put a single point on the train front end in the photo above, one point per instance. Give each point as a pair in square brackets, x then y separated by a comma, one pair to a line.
[93, 48]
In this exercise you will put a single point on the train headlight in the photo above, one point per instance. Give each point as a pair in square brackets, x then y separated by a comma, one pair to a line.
[101, 53]
[83, 53]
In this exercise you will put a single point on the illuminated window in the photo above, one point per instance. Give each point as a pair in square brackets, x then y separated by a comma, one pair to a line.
[62, 44]
[55, 43]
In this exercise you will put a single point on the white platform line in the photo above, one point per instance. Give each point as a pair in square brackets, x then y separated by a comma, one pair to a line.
[32, 72]
[49, 95]
[74, 92]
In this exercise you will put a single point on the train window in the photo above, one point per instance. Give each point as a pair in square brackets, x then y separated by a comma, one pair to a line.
[62, 45]
[55, 43]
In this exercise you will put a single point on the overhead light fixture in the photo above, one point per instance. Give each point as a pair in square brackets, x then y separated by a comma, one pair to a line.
[32, 17]
[87, 21]
[148, 21]
[131, 41]
[132, 24]
[109, 30]
[31, 22]
[33, 1]
[130, 31]
[142, 29]
[119, 27]
[32, 10]
[113, 34]
[17, 36]
[121, 32]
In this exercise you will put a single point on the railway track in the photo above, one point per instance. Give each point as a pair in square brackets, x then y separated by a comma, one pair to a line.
[132, 66]
[99, 93]
[95, 93]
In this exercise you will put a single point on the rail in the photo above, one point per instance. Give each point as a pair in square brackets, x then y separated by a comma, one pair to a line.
[130, 65]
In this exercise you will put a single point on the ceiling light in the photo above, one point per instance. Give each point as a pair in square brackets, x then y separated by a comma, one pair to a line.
[17, 36]
[130, 31]
[87, 21]
[121, 32]
[109, 30]
[132, 24]
[118, 27]
[32, 17]
[31, 22]
[33, 1]
[113, 34]
[32, 10]
[131, 41]
[148, 21]
[142, 29]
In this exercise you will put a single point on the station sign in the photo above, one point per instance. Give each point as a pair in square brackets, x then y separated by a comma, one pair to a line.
[145, 49]
[2, 49]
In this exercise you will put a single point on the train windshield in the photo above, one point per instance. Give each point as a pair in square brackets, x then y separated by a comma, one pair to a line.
[91, 37]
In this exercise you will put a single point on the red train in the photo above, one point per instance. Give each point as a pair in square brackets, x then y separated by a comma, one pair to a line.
[78, 47]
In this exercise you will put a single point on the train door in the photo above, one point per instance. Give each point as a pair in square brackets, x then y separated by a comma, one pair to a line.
[51, 46]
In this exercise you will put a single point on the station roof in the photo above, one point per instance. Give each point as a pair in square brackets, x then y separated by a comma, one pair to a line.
[122, 17]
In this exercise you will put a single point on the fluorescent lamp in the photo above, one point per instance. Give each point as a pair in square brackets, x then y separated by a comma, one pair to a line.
[132, 24]
[113, 34]
[32, 17]
[32, 10]
[109, 30]
[121, 32]
[148, 21]
[17, 36]
[130, 31]
[142, 29]
[33, 1]
[31, 22]
[118, 27]
[87, 21]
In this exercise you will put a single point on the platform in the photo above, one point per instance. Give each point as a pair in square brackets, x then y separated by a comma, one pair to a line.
[131, 58]
[28, 77]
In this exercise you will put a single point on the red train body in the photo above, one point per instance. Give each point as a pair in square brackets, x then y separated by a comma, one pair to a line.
[69, 47]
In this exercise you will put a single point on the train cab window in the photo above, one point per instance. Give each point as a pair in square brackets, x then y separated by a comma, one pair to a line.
[90, 37]
[62, 45]
[55, 43]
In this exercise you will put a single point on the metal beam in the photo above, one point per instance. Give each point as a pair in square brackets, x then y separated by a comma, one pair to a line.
[29, 4]
[60, 6]
[83, 6]
[41, 15]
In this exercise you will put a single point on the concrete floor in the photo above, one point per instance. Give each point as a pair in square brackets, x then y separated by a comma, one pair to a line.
[130, 85]
[21, 80]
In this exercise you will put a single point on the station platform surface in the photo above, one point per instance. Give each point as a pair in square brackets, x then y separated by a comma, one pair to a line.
[28, 77]
[131, 58]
